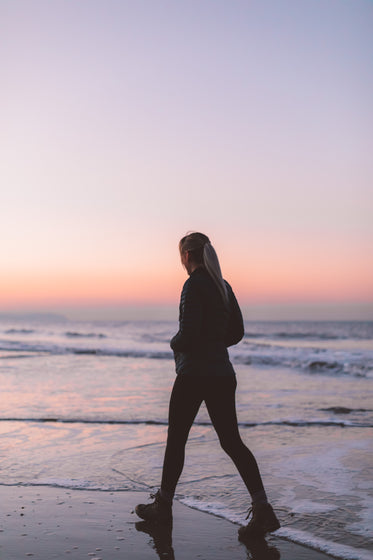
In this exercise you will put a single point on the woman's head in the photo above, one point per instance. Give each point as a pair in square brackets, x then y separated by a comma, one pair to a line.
[195, 251]
[193, 243]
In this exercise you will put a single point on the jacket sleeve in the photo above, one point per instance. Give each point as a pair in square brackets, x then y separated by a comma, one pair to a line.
[235, 330]
[190, 322]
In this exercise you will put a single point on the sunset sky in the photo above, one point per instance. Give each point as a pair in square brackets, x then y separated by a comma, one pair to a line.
[126, 123]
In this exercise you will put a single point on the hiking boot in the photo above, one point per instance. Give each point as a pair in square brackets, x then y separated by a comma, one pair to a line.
[158, 511]
[263, 521]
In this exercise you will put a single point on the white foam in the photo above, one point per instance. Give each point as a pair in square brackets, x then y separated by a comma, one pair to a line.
[334, 549]
[364, 525]
[308, 506]
[70, 483]
[328, 463]
[337, 550]
[218, 509]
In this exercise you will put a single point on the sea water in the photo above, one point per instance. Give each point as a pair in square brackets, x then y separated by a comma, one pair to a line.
[84, 405]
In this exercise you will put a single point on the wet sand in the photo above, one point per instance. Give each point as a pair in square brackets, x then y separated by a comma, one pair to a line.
[44, 523]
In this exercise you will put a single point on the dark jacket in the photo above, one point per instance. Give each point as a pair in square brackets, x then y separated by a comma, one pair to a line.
[206, 327]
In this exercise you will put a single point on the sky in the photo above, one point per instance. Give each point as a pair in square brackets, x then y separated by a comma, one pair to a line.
[127, 123]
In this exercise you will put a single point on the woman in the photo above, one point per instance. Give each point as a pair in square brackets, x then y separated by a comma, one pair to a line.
[210, 320]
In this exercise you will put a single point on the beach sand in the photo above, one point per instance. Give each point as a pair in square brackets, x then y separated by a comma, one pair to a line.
[45, 522]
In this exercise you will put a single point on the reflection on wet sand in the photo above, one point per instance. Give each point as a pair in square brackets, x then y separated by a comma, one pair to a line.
[162, 537]
[257, 549]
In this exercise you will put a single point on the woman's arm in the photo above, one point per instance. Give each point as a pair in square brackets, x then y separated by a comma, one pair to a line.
[189, 335]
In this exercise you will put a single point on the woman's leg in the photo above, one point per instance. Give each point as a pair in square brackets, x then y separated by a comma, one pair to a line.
[186, 398]
[220, 401]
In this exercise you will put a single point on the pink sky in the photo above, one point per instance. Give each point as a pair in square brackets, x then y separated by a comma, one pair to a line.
[124, 125]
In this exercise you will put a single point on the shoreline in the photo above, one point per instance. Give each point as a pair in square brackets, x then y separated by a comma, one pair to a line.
[44, 522]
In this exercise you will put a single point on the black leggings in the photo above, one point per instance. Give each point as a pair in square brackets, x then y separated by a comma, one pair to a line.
[219, 395]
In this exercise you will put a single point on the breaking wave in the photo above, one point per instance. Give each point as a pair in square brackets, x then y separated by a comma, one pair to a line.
[143, 421]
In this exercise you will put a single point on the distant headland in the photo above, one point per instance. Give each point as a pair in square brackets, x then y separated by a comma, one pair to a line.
[32, 316]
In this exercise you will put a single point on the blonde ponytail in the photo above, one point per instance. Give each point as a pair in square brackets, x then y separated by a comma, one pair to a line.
[212, 265]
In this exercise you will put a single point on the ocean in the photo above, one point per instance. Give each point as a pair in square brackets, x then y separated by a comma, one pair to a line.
[84, 405]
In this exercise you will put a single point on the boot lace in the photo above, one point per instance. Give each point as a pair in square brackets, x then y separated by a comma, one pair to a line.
[249, 513]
